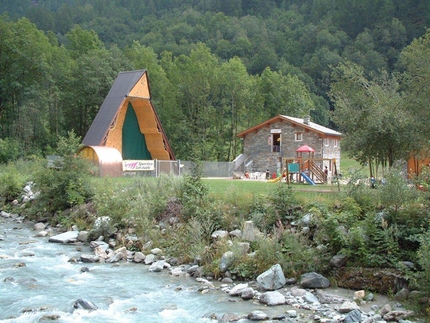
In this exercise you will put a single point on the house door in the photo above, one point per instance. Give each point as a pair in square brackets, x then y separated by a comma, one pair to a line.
[276, 142]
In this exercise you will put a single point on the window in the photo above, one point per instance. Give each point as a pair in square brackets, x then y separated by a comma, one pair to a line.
[298, 136]
[334, 142]
[326, 142]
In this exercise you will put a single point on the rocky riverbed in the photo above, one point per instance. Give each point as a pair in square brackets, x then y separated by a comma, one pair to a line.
[272, 296]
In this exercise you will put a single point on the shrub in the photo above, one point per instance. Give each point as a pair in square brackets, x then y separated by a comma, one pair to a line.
[261, 214]
[66, 185]
[11, 182]
[284, 202]
[298, 255]
[358, 188]
[193, 191]
[373, 243]
[396, 193]
[9, 150]
[424, 262]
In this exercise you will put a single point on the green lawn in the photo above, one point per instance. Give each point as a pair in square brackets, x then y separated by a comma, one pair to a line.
[346, 164]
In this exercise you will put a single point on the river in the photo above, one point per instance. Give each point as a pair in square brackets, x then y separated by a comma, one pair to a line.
[39, 283]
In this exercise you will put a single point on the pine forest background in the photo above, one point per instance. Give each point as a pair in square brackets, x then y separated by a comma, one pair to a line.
[217, 67]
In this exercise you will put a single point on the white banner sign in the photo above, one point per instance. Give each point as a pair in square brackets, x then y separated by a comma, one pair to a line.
[137, 165]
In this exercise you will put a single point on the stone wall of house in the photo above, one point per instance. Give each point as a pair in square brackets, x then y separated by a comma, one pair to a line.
[257, 146]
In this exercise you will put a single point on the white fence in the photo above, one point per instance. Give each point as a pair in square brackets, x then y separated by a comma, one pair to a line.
[179, 167]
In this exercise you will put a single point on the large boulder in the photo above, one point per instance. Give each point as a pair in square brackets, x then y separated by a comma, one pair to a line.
[272, 279]
[314, 280]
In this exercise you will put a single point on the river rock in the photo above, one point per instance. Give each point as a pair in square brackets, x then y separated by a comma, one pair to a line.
[89, 258]
[353, 317]
[41, 234]
[227, 280]
[117, 256]
[298, 292]
[192, 269]
[272, 298]
[243, 247]
[156, 251]
[257, 316]
[314, 280]
[176, 271]
[325, 298]
[235, 233]
[397, 315]
[66, 237]
[310, 298]
[39, 226]
[338, 261]
[247, 293]
[101, 253]
[98, 243]
[83, 236]
[157, 266]
[360, 294]
[348, 306]
[272, 278]
[86, 305]
[250, 231]
[230, 317]
[226, 261]
[402, 294]
[292, 313]
[238, 289]
[5, 214]
[385, 309]
[219, 234]
[149, 259]
[138, 257]
[50, 317]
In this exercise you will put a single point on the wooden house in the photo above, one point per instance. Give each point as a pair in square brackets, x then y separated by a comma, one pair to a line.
[126, 127]
[276, 142]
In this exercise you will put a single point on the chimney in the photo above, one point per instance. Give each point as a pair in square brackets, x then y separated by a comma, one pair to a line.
[306, 120]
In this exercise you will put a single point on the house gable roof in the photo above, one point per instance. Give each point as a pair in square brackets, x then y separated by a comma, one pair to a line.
[311, 126]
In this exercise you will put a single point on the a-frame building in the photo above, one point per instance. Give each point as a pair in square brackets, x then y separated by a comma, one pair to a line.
[127, 123]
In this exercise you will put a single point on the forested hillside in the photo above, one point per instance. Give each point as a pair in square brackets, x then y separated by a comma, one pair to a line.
[216, 67]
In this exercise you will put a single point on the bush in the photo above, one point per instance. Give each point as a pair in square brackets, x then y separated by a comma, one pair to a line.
[358, 188]
[396, 193]
[66, 185]
[9, 150]
[11, 182]
[298, 255]
[193, 192]
[424, 263]
[284, 203]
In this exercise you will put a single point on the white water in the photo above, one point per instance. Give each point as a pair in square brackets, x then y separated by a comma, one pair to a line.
[123, 292]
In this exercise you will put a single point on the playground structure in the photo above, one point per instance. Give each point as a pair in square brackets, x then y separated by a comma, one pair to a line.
[310, 170]
[305, 168]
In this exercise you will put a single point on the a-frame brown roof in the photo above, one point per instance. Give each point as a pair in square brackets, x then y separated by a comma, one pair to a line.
[306, 124]
[121, 91]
